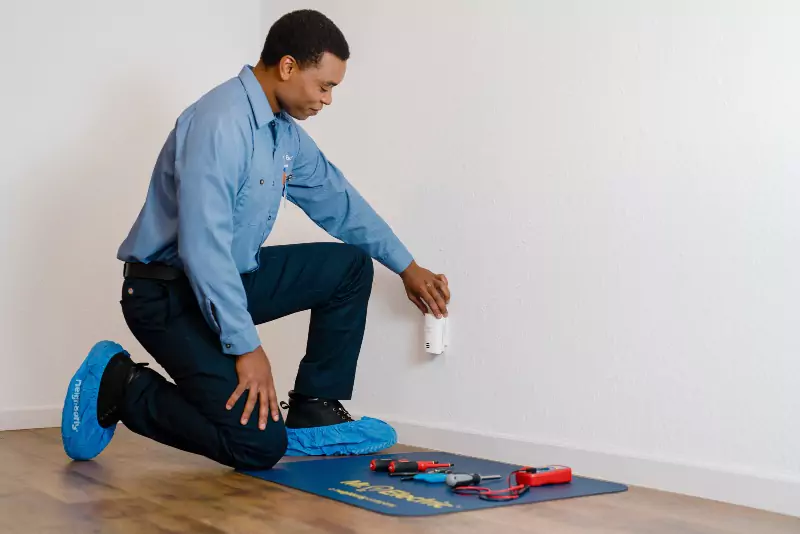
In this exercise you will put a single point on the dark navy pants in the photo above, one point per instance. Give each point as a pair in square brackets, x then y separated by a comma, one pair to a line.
[332, 280]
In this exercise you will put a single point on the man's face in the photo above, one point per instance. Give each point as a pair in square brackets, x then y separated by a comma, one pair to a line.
[305, 91]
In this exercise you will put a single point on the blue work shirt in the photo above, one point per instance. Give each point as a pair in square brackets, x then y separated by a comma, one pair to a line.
[215, 193]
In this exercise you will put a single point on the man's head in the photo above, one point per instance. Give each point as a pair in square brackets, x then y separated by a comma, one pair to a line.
[308, 55]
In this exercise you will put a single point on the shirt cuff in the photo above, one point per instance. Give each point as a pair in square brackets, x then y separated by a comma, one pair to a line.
[242, 342]
[397, 260]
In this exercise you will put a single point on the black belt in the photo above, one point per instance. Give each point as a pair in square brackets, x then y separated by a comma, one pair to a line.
[155, 271]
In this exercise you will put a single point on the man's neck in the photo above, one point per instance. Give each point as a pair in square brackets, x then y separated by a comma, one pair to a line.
[266, 78]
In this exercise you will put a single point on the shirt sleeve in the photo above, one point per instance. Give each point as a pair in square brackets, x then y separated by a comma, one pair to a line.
[213, 155]
[320, 189]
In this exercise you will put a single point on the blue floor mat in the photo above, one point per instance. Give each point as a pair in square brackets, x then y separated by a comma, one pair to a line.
[350, 480]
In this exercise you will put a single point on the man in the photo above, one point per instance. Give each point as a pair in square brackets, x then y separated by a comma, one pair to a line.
[198, 280]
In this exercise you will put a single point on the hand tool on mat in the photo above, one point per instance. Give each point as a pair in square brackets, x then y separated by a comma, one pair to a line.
[381, 465]
[409, 476]
[544, 476]
[456, 480]
[406, 466]
[434, 476]
[525, 479]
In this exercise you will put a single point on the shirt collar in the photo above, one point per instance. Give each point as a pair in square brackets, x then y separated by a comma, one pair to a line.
[262, 111]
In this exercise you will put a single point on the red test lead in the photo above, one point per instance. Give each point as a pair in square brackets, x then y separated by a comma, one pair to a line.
[526, 478]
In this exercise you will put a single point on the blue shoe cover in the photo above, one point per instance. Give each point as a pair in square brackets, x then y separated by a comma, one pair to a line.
[365, 436]
[81, 434]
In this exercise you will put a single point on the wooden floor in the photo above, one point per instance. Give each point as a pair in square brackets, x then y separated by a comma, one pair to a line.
[139, 486]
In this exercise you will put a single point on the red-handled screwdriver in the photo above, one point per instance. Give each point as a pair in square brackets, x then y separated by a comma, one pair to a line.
[381, 465]
[406, 466]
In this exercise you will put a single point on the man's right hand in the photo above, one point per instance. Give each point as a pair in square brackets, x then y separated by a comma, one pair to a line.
[255, 376]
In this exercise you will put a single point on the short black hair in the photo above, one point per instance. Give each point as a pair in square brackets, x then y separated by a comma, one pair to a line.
[305, 35]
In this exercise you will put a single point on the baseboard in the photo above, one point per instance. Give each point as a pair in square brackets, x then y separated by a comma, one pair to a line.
[35, 417]
[772, 492]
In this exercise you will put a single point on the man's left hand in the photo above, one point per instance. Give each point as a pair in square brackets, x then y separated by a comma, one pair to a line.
[427, 290]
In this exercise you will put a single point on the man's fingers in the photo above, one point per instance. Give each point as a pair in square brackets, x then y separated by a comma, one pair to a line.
[435, 293]
[273, 403]
[252, 396]
[235, 396]
[263, 409]
[418, 303]
[431, 302]
[443, 290]
[440, 301]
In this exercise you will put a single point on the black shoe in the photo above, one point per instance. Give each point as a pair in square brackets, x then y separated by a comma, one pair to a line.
[309, 412]
[118, 374]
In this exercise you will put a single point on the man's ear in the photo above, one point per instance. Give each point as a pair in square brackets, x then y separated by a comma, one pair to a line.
[287, 67]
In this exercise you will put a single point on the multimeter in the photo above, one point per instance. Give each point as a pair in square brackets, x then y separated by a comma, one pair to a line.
[543, 476]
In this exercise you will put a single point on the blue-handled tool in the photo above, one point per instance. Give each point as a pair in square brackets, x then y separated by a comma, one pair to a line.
[430, 478]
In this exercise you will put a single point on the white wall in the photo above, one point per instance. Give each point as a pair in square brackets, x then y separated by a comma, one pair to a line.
[612, 190]
[90, 90]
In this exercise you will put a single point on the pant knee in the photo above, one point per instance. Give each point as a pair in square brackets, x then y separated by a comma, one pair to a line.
[368, 270]
[259, 452]
[363, 260]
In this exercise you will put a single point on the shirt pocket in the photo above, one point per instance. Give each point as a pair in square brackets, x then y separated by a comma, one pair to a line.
[252, 204]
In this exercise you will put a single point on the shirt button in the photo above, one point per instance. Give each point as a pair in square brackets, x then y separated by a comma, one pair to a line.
[269, 218]
[227, 345]
[262, 182]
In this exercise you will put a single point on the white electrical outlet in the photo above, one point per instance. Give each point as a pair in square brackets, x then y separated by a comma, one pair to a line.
[437, 336]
